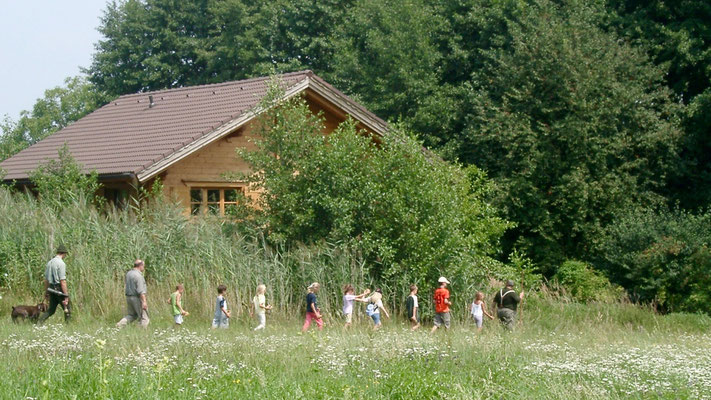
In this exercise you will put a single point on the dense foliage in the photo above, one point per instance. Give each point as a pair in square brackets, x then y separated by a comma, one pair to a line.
[574, 127]
[583, 283]
[411, 215]
[60, 182]
[661, 257]
[578, 111]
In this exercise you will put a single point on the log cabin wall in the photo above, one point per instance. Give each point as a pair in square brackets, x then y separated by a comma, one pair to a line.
[198, 179]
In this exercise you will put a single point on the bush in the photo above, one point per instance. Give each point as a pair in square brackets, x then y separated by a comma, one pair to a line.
[61, 182]
[584, 283]
[411, 215]
[661, 257]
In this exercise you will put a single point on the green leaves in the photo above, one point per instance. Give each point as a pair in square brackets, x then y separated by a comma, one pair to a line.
[406, 210]
[573, 125]
[62, 182]
[59, 107]
[661, 257]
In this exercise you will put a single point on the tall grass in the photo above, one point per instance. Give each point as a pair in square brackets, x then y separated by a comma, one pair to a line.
[200, 253]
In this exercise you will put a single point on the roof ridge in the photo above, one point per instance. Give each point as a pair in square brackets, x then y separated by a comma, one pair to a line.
[305, 72]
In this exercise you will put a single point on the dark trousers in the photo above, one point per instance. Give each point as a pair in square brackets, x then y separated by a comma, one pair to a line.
[54, 301]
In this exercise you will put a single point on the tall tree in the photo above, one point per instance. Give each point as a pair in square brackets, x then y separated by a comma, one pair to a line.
[575, 126]
[387, 56]
[59, 107]
[677, 35]
[154, 44]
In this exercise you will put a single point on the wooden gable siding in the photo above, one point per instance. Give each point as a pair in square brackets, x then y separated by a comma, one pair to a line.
[204, 168]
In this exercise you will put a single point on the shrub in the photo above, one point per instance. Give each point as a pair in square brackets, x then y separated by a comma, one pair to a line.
[60, 182]
[584, 283]
[412, 215]
[661, 257]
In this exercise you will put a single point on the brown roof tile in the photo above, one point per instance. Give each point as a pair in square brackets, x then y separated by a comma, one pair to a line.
[128, 136]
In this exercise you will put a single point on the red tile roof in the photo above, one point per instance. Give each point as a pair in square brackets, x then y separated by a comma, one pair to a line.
[128, 136]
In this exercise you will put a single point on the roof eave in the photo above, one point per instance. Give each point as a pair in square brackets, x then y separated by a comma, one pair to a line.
[311, 82]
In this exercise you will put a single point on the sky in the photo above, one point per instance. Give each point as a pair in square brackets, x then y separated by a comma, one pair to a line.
[43, 42]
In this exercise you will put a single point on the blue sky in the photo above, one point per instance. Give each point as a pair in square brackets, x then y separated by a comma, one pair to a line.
[43, 42]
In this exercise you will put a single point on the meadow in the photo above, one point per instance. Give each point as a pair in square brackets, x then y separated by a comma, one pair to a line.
[559, 351]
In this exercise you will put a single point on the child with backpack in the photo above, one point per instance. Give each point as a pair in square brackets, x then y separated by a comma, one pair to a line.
[375, 305]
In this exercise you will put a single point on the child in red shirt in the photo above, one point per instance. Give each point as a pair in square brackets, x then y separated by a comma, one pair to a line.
[442, 303]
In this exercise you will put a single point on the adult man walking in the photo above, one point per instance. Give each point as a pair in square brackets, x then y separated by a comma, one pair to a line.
[55, 285]
[506, 300]
[136, 305]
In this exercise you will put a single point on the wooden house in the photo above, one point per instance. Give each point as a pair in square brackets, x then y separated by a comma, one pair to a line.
[186, 137]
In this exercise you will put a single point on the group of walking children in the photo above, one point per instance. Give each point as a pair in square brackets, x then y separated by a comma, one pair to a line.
[222, 316]
[505, 301]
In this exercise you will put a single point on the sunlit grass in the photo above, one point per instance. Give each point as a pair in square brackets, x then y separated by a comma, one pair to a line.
[91, 359]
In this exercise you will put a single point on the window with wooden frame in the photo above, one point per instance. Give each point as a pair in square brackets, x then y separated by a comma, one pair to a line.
[215, 201]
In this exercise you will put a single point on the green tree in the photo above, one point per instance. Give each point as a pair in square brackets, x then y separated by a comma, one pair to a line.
[677, 36]
[407, 211]
[289, 35]
[661, 257]
[388, 57]
[572, 124]
[154, 44]
[59, 107]
[62, 181]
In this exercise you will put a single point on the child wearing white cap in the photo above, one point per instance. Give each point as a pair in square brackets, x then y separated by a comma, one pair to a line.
[442, 303]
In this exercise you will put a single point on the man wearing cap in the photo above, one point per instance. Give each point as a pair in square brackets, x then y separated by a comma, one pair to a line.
[55, 285]
[442, 303]
[136, 305]
[506, 300]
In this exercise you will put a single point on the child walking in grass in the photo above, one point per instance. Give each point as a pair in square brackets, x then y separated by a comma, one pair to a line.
[222, 314]
[176, 302]
[375, 305]
[261, 307]
[413, 308]
[313, 313]
[478, 310]
[442, 303]
[349, 297]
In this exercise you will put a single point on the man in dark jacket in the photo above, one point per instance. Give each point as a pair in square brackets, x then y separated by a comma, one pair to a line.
[506, 301]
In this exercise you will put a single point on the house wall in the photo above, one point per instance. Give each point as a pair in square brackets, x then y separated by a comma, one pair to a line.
[204, 168]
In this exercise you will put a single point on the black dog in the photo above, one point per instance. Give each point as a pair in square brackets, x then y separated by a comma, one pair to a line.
[27, 312]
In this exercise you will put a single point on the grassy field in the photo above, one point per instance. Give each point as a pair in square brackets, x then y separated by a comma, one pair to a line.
[561, 351]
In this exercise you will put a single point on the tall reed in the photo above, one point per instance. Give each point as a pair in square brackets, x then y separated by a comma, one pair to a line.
[201, 253]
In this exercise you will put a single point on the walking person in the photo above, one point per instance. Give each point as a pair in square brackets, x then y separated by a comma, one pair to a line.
[176, 303]
[506, 301]
[222, 314]
[261, 307]
[478, 310]
[136, 304]
[349, 297]
[442, 303]
[413, 308]
[375, 304]
[55, 286]
[313, 313]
